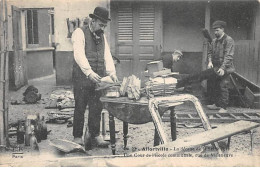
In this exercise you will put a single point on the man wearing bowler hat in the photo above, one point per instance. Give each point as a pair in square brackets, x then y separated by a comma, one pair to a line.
[220, 65]
[92, 61]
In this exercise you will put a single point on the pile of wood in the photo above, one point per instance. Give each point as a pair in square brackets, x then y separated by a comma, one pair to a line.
[131, 87]
[161, 86]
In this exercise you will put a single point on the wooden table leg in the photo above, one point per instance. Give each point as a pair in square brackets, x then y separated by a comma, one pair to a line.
[125, 130]
[252, 140]
[112, 133]
[173, 123]
[103, 131]
[156, 138]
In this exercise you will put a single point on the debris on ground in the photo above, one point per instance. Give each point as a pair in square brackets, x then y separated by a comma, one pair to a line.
[29, 131]
[61, 99]
[70, 122]
[66, 146]
[17, 102]
[59, 117]
[31, 95]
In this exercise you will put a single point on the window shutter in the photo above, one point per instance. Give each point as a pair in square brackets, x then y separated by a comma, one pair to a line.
[125, 23]
[147, 17]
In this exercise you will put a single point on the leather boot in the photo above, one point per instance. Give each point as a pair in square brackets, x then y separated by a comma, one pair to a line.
[78, 140]
[99, 142]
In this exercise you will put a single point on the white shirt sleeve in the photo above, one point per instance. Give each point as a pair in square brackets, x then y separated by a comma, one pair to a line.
[109, 62]
[78, 41]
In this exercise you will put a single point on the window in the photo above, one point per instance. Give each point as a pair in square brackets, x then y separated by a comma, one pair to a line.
[32, 27]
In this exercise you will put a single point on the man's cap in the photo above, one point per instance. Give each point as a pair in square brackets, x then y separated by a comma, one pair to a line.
[100, 13]
[219, 24]
[178, 52]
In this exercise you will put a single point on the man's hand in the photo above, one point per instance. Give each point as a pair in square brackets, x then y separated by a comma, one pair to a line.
[210, 65]
[114, 78]
[94, 77]
[220, 72]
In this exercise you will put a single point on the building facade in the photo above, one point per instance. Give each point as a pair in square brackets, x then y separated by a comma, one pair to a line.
[140, 31]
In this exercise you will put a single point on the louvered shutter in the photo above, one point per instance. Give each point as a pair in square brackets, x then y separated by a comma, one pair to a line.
[146, 22]
[125, 23]
[137, 38]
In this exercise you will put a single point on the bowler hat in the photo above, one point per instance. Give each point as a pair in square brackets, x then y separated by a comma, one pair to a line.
[100, 13]
[219, 24]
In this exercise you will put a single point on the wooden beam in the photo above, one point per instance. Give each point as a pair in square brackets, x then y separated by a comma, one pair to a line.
[210, 136]
[3, 74]
[205, 42]
[207, 16]
[213, 135]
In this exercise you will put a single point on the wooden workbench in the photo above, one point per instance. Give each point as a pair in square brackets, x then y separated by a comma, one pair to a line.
[134, 112]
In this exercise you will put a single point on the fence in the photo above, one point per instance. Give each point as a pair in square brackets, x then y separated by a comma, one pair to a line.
[247, 60]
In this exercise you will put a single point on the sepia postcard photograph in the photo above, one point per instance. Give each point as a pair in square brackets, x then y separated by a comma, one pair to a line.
[129, 83]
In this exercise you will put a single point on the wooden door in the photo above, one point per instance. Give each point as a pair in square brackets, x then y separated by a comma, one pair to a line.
[18, 65]
[137, 28]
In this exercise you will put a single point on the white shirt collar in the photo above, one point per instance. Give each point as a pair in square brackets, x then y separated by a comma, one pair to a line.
[221, 36]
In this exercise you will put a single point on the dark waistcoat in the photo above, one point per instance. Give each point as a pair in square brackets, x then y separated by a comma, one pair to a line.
[94, 50]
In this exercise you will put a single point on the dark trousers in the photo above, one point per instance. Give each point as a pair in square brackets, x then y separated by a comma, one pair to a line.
[218, 85]
[86, 95]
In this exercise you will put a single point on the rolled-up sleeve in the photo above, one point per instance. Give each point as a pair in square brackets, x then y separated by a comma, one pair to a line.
[78, 41]
[109, 63]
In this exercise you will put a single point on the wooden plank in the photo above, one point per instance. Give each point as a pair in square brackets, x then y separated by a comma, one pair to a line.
[241, 60]
[190, 116]
[212, 135]
[258, 64]
[1, 74]
[233, 116]
[251, 61]
[246, 115]
[212, 120]
[258, 114]
[218, 116]
[246, 56]
[255, 61]
[3, 36]
[244, 60]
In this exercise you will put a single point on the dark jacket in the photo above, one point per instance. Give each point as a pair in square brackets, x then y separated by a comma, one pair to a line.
[221, 53]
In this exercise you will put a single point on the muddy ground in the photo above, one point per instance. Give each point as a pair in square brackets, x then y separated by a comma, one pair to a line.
[140, 136]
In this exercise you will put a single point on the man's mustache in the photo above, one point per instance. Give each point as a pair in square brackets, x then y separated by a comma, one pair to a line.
[99, 32]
